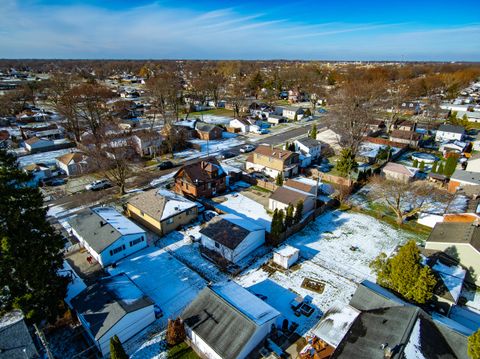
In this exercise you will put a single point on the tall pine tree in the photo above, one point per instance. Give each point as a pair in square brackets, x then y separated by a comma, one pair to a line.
[30, 249]
[298, 212]
[289, 216]
[313, 132]
[116, 349]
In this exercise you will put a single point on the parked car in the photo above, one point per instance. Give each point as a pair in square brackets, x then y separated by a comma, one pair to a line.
[227, 154]
[260, 131]
[247, 148]
[54, 182]
[260, 176]
[98, 185]
[165, 165]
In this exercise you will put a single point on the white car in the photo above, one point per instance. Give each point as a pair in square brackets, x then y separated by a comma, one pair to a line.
[247, 148]
[98, 185]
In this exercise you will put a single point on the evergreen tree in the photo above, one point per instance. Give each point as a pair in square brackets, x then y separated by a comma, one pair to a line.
[276, 226]
[405, 274]
[298, 212]
[422, 166]
[346, 163]
[281, 217]
[295, 118]
[279, 179]
[474, 345]
[289, 216]
[415, 163]
[313, 131]
[440, 169]
[434, 167]
[30, 249]
[287, 145]
[450, 166]
[116, 349]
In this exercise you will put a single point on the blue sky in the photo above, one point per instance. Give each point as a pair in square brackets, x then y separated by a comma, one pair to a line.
[242, 29]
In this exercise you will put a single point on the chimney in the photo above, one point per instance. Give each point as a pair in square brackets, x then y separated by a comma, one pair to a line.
[103, 223]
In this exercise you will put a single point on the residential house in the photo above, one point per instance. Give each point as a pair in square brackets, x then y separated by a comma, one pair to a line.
[450, 277]
[35, 144]
[459, 240]
[5, 141]
[375, 127]
[461, 179]
[453, 146]
[226, 321]
[330, 139]
[204, 178]
[412, 107]
[147, 143]
[48, 131]
[161, 211]
[107, 234]
[232, 237]
[404, 125]
[207, 131]
[15, 339]
[377, 324]
[111, 306]
[275, 119]
[292, 112]
[447, 132]
[398, 172]
[284, 196]
[408, 137]
[273, 161]
[309, 148]
[73, 163]
[38, 171]
[241, 124]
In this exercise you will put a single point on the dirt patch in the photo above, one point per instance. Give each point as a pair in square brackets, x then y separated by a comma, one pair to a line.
[313, 285]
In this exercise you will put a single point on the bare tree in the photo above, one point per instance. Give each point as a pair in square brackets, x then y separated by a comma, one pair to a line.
[406, 199]
[354, 105]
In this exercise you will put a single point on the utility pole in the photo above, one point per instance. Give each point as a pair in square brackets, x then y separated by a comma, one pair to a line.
[316, 197]
[44, 341]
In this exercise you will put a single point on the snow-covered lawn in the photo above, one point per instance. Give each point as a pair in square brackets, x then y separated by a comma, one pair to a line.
[47, 158]
[244, 207]
[336, 249]
[214, 119]
[168, 282]
[369, 149]
[212, 148]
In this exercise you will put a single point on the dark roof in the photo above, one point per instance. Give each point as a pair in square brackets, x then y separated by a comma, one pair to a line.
[288, 196]
[225, 232]
[106, 302]
[273, 152]
[206, 127]
[405, 135]
[202, 170]
[309, 142]
[451, 232]
[14, 337]
[224, 328]
[451, 128]
[406, 329]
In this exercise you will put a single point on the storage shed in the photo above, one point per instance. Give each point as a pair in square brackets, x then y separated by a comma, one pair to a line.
[285, 256]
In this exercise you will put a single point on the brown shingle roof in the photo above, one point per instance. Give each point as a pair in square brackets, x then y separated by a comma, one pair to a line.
[68, 157]
[305, 187]
[149, 202]
[288, 196]
[202, 170]
[273, 152]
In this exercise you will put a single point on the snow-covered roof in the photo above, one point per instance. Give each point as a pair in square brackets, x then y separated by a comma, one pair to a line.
[336, 323]
[174, 204]
[124, 289]
[76, 286]
[413, 349]
[242, 222]
[452, 277]
[121, 223]
[246, 302]
[287, 251]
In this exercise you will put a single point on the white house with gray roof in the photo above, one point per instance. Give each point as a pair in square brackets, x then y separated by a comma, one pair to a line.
[107, 234]
[226, 321]
[113, 306]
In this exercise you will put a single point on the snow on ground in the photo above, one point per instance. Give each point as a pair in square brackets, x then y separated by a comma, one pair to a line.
[457, 205]
[209, 148]
[150, 343]
[162, 180]
[368, 149]
[214, 119]
[47, 158]
[168, 282]
[334, 250]
[244, 207]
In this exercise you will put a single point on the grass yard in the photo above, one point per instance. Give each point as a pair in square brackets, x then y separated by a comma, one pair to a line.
[216, 111]
[181, 351]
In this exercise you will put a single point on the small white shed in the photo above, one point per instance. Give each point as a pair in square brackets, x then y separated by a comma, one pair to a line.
[285, 256]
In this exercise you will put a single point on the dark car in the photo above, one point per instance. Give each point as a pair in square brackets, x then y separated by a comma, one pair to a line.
[227, 154]
[54, 182]
[165, 165]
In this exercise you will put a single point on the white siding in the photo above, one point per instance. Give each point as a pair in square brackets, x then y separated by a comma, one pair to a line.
[256, 338]
[200, 346]
[248, 245]
[447, 136]
[127, 327]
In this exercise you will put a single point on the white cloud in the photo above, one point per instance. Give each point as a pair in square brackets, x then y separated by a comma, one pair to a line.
[158, 31]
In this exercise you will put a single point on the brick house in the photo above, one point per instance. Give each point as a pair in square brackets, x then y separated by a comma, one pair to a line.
[204, 178]
[207, 131]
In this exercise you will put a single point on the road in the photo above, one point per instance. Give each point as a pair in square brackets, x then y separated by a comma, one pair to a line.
[144, 178]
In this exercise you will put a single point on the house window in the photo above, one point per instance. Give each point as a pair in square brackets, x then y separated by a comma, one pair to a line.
[170, 220]
[117, 250]
[136, 241]
[217, 245]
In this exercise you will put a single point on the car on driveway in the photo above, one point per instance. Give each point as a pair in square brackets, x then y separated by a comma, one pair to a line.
[247, 148]
[165, 165]
[54, 182]
[227, 154]
[98, 185]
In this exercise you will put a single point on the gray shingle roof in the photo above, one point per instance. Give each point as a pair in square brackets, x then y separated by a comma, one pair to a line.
[14, 337]
[469, 177]
[106, 302]
[225, 329]
[225, 232]
[450, 232]
[309, 142]
[451, 128]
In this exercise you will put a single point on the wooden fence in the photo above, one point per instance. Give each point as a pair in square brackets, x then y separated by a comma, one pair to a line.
[270, 186]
